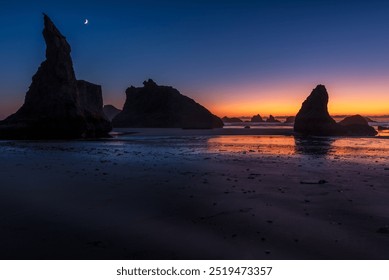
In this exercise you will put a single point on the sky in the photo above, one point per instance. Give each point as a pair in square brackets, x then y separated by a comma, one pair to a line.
[237, 58]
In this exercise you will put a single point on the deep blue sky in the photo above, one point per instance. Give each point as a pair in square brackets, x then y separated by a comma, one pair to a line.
[232, 56]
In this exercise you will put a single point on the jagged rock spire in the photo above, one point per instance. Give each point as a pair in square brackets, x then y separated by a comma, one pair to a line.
[56, 104]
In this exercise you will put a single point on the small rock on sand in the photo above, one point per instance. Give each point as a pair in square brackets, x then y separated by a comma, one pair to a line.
[320, 182]
[384, 230]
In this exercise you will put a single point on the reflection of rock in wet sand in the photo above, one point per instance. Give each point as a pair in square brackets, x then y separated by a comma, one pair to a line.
[157, 197]
[313, 145]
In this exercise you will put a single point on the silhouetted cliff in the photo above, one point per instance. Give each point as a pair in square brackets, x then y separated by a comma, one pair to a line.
[56, 104]
[163, 106]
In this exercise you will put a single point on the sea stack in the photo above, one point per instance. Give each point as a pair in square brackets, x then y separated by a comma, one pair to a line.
[357, 125]
[157, 106]
[257, 118]
[57, 106]
[314, 119]
[272, 119]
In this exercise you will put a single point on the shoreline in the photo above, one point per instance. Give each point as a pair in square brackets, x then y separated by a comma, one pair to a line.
[191, 199]
[275, 131]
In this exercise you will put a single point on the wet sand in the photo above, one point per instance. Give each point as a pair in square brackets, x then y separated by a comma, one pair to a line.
[270, 130]
[158, 195]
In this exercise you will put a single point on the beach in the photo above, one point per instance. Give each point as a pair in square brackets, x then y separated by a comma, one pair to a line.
[195, 194]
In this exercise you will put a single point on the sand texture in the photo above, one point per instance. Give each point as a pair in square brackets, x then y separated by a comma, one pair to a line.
[160, 195]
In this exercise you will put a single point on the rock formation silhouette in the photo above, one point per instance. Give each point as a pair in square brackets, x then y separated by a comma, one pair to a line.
[357, 125]
[111, 111]
[271, 119]
[352, 120]
[314, 119]
[231, 120]
[163, 107]
[383, 128]
[256, 118]
[370, 120]
[290, 119]
[57, 106]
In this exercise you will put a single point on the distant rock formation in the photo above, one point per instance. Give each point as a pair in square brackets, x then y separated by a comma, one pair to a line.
[314, 119]
[271, 119]
[356, 119]
[357, 125]
[382, 128]
[111, 111]
[163, 107]
[231, 120]
[256, 118]
[370, 120]
[290, 120]
[57, 106]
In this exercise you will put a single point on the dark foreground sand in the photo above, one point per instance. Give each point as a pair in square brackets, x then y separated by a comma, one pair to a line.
[193, 197]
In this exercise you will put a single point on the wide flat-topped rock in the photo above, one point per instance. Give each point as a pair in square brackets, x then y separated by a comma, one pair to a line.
[163, 107]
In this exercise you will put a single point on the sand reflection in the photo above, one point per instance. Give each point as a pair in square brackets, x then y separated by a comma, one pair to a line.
[321, 146]
[357, 148]
[278, 145]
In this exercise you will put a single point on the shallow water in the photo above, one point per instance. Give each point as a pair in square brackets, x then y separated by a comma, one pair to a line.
[367, 149]
[118, 197]
[370, 149]
[378, 121]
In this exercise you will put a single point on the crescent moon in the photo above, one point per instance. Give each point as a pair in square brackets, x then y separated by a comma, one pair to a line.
[86, 21]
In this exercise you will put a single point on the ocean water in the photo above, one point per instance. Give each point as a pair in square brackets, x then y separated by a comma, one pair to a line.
[361, 149]
[369, 149]
[355, 149]
[378, 121]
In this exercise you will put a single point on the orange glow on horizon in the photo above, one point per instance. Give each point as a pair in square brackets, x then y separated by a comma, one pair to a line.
[372, 100]
[369, 98]
[266, 108]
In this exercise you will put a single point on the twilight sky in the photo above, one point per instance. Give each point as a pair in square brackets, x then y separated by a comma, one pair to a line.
[234, 57]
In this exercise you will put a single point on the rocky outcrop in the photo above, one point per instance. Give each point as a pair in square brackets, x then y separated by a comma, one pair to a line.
[370, 120]
[357, 125]
[56, 104]
[271, 119]
[91, 102]
[111, 111]
[290, 120]
[163, 107]
[231, 120]
[314, 119]
[352, 120]
[256, 118]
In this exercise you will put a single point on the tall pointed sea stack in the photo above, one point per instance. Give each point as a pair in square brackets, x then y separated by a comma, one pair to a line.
[314, 119]
[57, 106]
